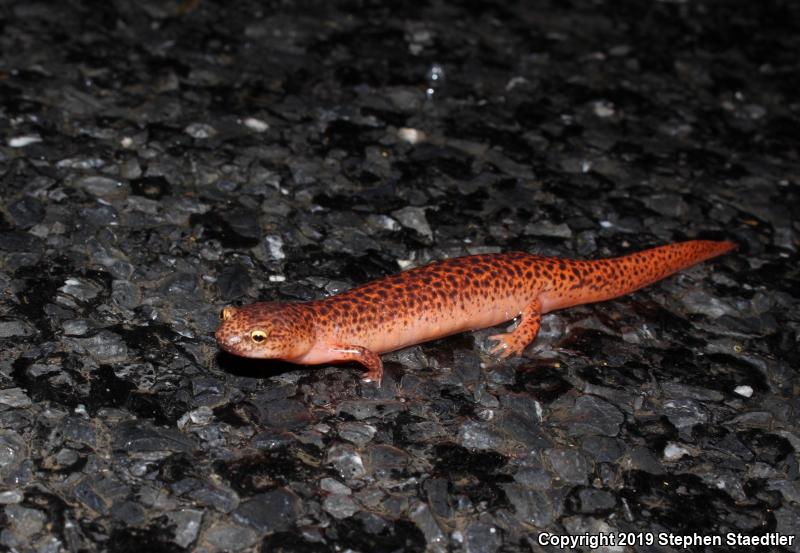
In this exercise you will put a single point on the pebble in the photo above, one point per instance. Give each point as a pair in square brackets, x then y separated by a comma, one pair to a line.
[24, 140]
[223, 535]
[256, 125]
[12, 328]
[569, 465]
[200, 131]
[357, 433]
[13, 452]
[27, 211]
[685, 413]
[673, 452]
[339, 506]
[103, 187]
[187, 524]
[14, 397]
[75, 327]
[593, 416]
[132, 437]
[104, 346]
[414, 218]
[11, 496]
[81, 289]
[347, 462]
[274, 511]
[412, 136]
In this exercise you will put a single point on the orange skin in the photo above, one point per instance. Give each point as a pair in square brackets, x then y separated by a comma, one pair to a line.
[444, 298]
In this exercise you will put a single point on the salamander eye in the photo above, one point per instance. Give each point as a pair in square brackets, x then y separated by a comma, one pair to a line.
[258, 336]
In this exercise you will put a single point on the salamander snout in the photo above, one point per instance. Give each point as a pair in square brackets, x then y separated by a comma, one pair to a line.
[227, 339]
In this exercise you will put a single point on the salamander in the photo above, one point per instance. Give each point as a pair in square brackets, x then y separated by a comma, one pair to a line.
[443, 298]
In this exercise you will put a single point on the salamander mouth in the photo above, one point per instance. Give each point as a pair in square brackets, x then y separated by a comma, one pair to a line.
[229, 342]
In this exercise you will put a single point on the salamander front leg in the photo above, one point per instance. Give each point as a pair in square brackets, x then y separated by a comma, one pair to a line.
[515, 342]
[368, 358]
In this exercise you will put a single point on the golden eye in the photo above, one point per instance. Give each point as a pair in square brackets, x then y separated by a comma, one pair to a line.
[258, 336]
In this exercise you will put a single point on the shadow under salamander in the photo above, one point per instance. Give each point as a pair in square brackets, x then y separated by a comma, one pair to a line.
[254, 368]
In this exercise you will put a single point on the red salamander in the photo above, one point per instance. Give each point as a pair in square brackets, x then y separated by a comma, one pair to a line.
[444, 298]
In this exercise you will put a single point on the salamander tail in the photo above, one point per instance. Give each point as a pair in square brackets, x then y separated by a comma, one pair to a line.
[648, 266]
[605, 279]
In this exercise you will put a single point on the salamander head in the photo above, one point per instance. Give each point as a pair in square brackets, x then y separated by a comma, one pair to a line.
[268, 330]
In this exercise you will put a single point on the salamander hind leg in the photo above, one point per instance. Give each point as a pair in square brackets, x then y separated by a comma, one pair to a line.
[515, 342]
[368, 358]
